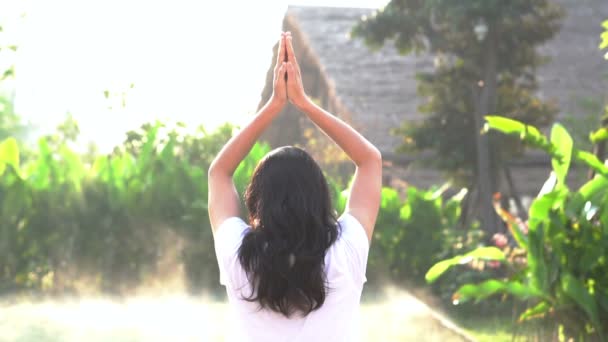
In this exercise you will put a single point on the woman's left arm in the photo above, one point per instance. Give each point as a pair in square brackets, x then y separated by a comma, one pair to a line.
[223, 201]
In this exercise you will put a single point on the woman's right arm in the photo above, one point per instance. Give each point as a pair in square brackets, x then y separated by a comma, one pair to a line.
[364, 199]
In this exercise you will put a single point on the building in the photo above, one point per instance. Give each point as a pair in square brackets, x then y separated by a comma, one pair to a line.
[376, 91]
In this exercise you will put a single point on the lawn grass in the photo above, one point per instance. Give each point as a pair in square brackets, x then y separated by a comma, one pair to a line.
[180, 318]
[495, 328]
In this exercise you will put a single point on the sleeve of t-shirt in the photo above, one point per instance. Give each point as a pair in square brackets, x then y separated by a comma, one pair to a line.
[227, 239]
[357, 246]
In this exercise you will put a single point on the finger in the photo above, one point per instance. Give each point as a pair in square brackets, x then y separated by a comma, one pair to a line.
[281, 72]
[291, 56]
[280, 51]
[291, 72]
[289, 47]
[283, 69]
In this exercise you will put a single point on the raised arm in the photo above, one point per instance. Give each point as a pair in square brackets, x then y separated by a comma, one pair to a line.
[364, 199]
[223, 201]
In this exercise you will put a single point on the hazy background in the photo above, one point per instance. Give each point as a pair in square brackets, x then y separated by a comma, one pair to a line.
[104, 230]
[179, 60]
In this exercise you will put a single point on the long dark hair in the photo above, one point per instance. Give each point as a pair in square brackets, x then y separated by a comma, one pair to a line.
[293, 224]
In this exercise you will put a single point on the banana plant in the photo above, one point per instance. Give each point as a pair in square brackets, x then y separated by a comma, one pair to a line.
[566, 243]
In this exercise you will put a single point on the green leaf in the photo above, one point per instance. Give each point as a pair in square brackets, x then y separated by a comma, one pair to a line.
[167, 153]
[527, 133]
[9, 154]
[539, 310]
[438, 269]
[591, 160]
[406, 212]
[604, 43]
[491, 287]
[147, 150]
[540, 207]
[539, 218]
[593, 187]
[487, 253]
[599, 135]
[577, 291]
[390, 201]
[505, 125]
[483, 253]
[562, 141]
[536, 258]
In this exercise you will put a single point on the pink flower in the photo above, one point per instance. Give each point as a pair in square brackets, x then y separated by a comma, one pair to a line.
[500, 240]
[494, 264]
[520, 261]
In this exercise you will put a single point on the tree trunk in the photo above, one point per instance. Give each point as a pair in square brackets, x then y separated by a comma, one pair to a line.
[467, 208]
[521, 211]
[485, 103]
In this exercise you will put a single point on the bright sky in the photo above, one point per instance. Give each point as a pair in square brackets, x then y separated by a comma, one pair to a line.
[187, 62]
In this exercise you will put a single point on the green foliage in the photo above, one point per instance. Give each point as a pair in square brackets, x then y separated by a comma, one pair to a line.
[9, 155]
[448, 26]
[565, 274]
[447, 29]
[584, 121]
[114, 219]
[111, 220]
[414, 233]
[599, 135]
[10, 124]
[482, 253]
[491, 287]
[561, 155]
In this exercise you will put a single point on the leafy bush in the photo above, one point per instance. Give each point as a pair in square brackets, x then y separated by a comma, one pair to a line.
[110, 221]
[412, 234]
[114, 220]
[564, 275]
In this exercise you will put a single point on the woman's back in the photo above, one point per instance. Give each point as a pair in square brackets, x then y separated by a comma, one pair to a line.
[336, 320]
[296, 274]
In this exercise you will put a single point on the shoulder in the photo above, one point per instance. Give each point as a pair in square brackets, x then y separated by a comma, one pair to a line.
[350, 251]
[229, 235]
[352, 230]
[227, 239]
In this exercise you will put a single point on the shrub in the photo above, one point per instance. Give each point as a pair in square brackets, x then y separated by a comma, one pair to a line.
[563, 276]
[114, 220]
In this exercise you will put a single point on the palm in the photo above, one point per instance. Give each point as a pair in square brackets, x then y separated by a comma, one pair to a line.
[279, 93]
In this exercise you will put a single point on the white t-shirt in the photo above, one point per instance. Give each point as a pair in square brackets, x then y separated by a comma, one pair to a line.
[338, 318]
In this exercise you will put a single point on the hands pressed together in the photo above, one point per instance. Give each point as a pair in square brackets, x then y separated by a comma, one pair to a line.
[287, 83]
[364, 197]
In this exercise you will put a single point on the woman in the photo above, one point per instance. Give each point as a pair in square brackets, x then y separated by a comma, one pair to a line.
[295, 273]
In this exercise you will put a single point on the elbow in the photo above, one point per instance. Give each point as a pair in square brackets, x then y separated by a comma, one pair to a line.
[372, 158]
[213, 170]
[218, 170]
[375, 156]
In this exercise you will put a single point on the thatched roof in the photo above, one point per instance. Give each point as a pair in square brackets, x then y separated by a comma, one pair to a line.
[378, 89]
[577, 70]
